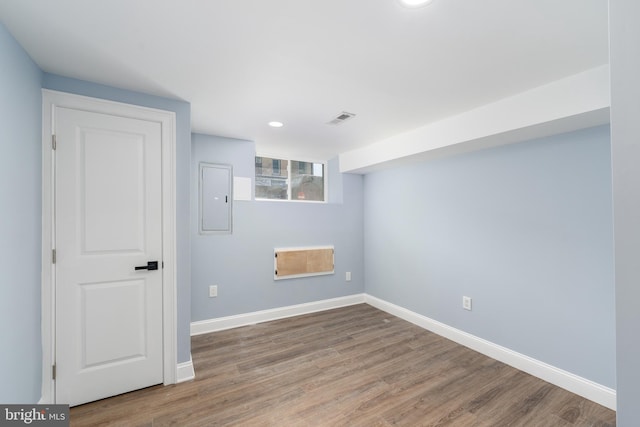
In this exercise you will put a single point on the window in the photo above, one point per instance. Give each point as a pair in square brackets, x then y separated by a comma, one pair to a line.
[258, 165]
[280, 179]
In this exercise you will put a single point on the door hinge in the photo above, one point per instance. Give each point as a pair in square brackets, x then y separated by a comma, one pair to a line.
[53, 142]
[53, 372]
[53, 256]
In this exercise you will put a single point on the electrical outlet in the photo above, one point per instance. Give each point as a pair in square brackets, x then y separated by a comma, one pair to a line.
[213, 291]
[466, 303]
[347, 276]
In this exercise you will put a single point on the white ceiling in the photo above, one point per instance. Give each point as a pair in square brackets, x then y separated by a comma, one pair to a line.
[243, 63]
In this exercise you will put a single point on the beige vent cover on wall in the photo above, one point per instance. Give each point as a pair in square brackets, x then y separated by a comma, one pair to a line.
[302, 262]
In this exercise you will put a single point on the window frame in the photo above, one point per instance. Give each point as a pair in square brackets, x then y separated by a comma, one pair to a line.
[289, 160]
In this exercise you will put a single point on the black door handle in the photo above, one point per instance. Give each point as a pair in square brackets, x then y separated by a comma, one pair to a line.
[151, 265]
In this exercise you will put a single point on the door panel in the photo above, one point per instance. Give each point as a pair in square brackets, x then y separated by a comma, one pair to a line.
[97, 304]
[108, 221]
[103, 228]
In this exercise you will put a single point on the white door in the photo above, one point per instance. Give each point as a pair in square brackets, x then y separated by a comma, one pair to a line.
[108, 221]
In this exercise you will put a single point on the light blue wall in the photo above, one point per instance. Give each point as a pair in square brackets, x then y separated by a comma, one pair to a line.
[183, 159]
[241, 264]
[525, 230]
[625, 143]
[20, 223]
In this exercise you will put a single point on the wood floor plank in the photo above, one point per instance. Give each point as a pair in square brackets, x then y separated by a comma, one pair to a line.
[353, 366]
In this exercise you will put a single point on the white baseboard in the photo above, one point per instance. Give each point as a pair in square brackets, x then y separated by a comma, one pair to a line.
[598, 393]
[229, 322]
[185, 371]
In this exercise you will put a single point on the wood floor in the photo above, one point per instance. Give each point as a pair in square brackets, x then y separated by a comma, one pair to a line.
[353, 366]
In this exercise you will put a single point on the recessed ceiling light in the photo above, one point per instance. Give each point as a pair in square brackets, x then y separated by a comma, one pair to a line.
[415, 3]
[276, 124]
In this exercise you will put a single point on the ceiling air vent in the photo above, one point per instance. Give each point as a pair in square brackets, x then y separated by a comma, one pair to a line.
[341, 118]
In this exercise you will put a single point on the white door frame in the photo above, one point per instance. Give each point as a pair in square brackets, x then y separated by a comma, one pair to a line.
[167, 119]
